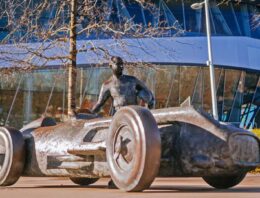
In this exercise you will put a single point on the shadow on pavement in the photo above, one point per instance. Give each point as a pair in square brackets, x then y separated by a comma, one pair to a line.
[189, 189]
[154, 189]
[59, 186]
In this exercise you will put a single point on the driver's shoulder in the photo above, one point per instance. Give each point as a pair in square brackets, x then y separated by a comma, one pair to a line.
[129, 78]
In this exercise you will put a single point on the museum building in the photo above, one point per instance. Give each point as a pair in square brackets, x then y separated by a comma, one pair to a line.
[172, 64]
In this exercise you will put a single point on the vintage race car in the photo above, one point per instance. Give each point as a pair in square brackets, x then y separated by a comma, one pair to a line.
[132, 147]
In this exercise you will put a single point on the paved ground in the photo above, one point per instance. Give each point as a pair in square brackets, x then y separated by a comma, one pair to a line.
[162, 187]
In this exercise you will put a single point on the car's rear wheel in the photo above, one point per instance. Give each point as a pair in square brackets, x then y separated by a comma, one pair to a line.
[223, 182]
[133, 148]
[83, 181]
[12, 155]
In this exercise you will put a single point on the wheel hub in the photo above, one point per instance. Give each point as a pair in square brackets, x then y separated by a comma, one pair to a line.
[2, 151]
[124, 145]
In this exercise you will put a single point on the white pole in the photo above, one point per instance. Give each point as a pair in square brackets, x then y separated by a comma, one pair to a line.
[210, 64]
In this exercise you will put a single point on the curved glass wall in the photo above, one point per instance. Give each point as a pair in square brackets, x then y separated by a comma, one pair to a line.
[227, 19]
[44, 91]
[176, 16]
[24, 97]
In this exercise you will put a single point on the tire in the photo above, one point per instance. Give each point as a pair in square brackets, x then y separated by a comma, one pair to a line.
[223, 182]
[12, 156]
[83, 181]
[133, 148]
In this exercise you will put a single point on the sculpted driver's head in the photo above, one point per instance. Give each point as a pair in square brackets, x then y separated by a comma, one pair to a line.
[117, 65]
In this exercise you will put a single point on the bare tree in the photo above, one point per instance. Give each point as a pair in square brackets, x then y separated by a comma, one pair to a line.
[72, 72]
[36, 32]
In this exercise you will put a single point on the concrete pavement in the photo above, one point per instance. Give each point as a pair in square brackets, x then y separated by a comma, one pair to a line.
[162, 187]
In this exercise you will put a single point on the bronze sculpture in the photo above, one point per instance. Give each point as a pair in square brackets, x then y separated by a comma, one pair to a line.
[133, 147]
[124, 89]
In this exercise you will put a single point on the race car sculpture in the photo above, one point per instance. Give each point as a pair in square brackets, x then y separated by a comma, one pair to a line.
[132, 147]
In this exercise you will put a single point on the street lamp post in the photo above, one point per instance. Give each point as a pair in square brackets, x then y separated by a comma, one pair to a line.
[210, 59]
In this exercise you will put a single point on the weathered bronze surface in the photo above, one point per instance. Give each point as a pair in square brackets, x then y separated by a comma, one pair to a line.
[12, 155]
[133, 148]
[123, 89]
[182, 141]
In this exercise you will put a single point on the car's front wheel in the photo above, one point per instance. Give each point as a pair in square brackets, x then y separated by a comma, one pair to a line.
[12, 155]
[223, 182]
[133, 148]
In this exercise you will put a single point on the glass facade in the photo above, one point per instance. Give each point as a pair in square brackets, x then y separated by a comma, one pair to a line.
[238, 91]
[26, 96]
[227, 19]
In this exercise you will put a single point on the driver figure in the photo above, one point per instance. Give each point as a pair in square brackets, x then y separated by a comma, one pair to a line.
[123, 89]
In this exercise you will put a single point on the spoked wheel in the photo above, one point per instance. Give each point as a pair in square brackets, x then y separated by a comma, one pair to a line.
[83, 181]
[133, 148]
[223, 182]
[12, 155]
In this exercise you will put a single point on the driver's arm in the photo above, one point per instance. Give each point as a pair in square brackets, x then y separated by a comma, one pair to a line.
[103, 97]
[145, 94]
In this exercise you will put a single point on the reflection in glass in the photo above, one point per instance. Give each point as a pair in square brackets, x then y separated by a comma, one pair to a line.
[238, 91]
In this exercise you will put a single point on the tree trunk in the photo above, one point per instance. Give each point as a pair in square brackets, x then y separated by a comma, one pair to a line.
[72, 67]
